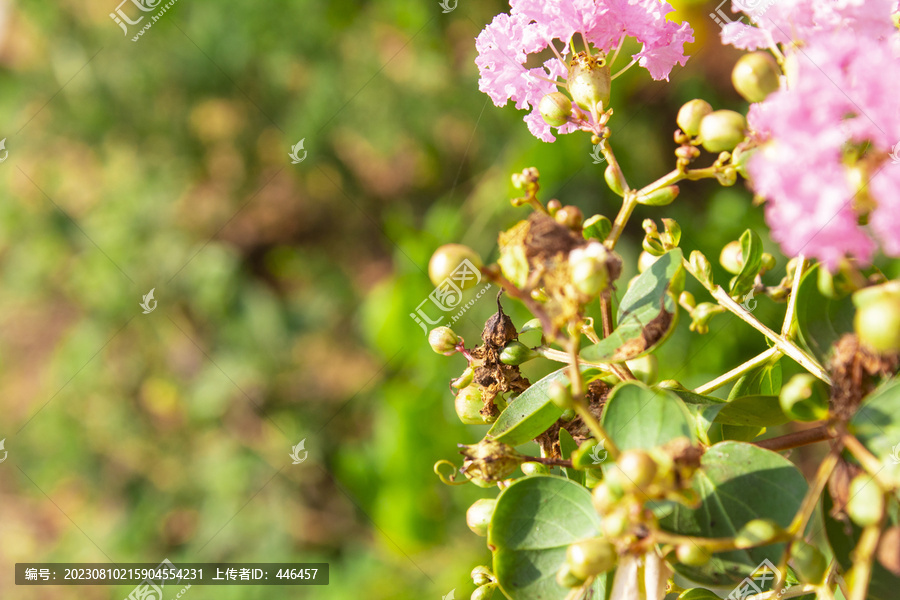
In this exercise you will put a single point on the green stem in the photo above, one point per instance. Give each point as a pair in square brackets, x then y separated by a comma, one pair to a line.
[792, 301]
[738, 371]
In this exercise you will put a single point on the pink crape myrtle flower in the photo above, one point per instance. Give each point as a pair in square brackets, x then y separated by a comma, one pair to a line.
[829, 163]
[504, 47]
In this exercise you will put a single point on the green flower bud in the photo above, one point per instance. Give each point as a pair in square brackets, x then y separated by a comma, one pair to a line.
[804, 398]
[727, 177]
[516, 353]
[644, 368]
[589, 82]
[590, 273]
[570, 216]
[443, 340]
[809, 564]
[687, 299]
[722, 130]
[660, 197]
[741, 158]
[615, 179]
[447, 259]
[755, 76]
[866, 503]
[478, 517]
[638, 469]
[758, 532]
[877, 320]
[690, 115]
[560, 395]
[692, 555]
[732, 258]
[697, 594]
[485, 592]
[531, 325]
[566, 578]
[481, 575]
[591, 557]
[766, 263]
[469, 402]
[534, 468]
[555, 108]
[606, 497]
[615, 524]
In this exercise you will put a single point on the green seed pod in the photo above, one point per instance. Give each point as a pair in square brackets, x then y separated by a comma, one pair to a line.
[866, 503]
[606, 497]
[443, 340]
[481, 575]
[589, 267]
[758, 532]
[591, 557]
[731, 257]
[469, 402]
[722, 130]
[566, 578]
[644, 368]
[697, 594]
[755, 76]
[692, 555]
[637, 467]
[589, 82]
[560, 395]
[447, 259]
[516, 353]
[555, 109]
[485, 592]
[534, 468]
[877, 320]
[808, 562]
[660, 197]
[478, 517]
[690, 115]
[804, 398]
[615, 179]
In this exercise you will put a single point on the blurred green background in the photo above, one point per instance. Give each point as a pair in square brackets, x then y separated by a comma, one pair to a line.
[284, 290]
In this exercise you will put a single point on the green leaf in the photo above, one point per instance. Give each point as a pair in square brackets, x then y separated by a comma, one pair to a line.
[596, 228]
[532, 412]
[877, 425]
[751, 253]
[749, 411]
[567, 446]
[737, 483]
[821, 321]
[647, 314]
[764, 380]
[636, 416]
[535, 520]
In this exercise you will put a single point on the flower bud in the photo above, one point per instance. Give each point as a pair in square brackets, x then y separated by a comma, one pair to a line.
[443, 340]
[463, 380]
[877, 320]
[687, 299]
[758, 532]
[489, 461]
[606, 497]
[615, 179]
[741, 158]
[555, 108]
[553, 206]
[809, 564]
[692, 555]
[690, 115]
[570, 216]
[447, 259]
[804, 398]
[732, 258]
[755, 76]
[591, 557]
[481, 575]
[615, 523]
[589, 82]
[866, 503]
[589, 268]
[478, 517]
[566, 578]
[484, 592]
[660, 197]
[722, 130]
[534, 468]
[469, 402]
[516, 353]
[560, 395]
[638, 468]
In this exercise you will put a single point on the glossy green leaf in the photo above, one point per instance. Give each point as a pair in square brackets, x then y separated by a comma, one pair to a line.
[535, 520]
[532, 412]
[821, 321]
[764, 380]
[648, 313]
[737, 482]
[596, 228]
[751, 253]
[877, 425]
[639, 417]
[752, 411]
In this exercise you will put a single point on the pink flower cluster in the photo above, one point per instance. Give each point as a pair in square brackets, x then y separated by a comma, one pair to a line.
[830, 164]
[532, 26]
